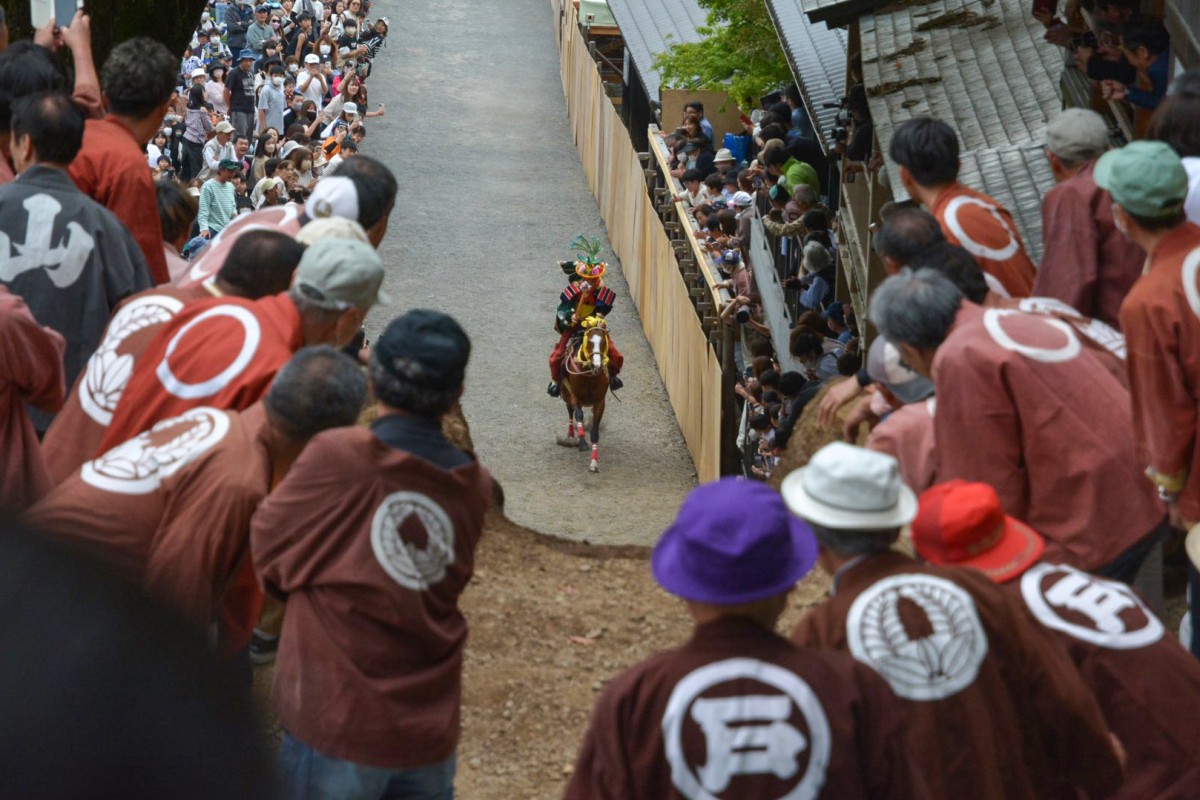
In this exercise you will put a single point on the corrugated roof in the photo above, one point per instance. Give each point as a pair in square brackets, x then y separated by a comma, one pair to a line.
[983, 67]
[817, 56]
[651, 27]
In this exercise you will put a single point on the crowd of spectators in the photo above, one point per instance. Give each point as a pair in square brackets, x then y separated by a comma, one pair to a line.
[187, 257]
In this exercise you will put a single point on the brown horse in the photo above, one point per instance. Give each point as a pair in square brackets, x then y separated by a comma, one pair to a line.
[585, 383]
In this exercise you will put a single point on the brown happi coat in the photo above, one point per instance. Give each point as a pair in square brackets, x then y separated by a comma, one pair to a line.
[811, 722]
[76, 432]
[371, 546]
[1161, 320]
[1024, 407]
[906, 435]
[995, 703]
[171, 508]
[1147, 684]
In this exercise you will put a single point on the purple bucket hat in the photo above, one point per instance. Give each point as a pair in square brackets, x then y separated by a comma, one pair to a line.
[733, 541]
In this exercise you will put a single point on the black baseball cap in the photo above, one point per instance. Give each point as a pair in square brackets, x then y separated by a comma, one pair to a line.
[426, 348]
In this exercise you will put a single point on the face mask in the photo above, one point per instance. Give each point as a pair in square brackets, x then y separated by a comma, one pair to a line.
[277, 82]
[293, 68]
[325, 49]
[351, 30]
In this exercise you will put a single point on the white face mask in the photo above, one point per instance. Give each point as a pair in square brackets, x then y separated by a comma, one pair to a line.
[293, 68]
[325, 49]
[277, 82]
[351, 30]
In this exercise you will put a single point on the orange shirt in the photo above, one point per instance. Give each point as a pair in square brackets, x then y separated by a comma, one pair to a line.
[1161, 320]
[111, 169]
[978, 224]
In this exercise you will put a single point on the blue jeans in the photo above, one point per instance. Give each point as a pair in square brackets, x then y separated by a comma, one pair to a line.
[306, 774]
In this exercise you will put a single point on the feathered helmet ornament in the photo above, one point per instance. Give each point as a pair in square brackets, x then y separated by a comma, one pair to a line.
[588, 266]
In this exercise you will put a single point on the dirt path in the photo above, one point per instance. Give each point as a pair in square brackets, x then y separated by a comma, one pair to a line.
[491, 194]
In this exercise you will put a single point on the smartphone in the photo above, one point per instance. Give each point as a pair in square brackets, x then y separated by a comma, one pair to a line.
[64, 12]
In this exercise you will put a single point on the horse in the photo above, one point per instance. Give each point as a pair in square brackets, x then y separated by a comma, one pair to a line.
[585, 383]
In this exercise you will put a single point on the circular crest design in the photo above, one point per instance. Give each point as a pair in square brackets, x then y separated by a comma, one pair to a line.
[140, 465]
[196, 391]
[1091, 609]
[747, 735]
[992, 320]
[932, 667]
[955, 206]
[410, 565]
[108, 370]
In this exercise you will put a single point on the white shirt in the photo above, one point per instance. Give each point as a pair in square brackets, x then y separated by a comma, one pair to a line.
[315, 90]
[1191, 206]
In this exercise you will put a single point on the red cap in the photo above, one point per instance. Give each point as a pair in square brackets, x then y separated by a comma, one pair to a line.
[963, 524]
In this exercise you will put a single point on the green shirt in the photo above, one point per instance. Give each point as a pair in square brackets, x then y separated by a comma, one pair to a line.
[218, 205]
[797, 172]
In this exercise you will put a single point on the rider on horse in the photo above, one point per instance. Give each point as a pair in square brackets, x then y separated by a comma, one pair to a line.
[584, 296]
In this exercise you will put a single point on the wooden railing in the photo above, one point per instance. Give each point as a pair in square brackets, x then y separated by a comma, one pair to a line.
[673, 290]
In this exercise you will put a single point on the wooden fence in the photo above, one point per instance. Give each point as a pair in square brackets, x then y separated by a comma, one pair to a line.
[689, 365]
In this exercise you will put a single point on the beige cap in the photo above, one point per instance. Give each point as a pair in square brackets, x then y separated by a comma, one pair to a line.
[340, 273]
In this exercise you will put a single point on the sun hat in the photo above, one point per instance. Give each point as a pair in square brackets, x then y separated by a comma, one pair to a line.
[963, 524]
[199, 72]
[425, 347]
[723, 155]
[742, 199]
[223, 127]
[845, 487]
[336, 274]
[350, 108]
[247, 55]
[884, 366]
[331, 228]
[1145, 178]
[733, 541]
[1077, 134]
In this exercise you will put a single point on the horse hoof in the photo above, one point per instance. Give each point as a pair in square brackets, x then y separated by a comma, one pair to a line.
[583, 445]
[567, 442]
[593, 467]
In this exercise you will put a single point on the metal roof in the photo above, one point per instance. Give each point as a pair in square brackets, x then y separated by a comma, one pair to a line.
[817, 56]
[651, 27]
[982, 67]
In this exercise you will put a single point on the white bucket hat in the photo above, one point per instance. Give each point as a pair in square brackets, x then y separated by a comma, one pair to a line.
[850, 488]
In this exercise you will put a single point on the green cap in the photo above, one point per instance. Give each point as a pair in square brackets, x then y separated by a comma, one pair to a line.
[339, 273]
[1145, 178]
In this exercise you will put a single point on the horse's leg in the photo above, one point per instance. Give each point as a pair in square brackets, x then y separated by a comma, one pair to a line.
[597, 414]
[570, 440]
[579, 431]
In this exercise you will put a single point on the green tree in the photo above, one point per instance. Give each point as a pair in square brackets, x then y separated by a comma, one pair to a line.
[740, 53]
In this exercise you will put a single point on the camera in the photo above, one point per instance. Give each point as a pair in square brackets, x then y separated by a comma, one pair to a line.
[742, 316]
[840, 132]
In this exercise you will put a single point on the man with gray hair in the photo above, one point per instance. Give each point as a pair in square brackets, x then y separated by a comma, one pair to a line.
[171, 507]
[968, 665]
[1023, 406]
[1086, 262]
[371, 539]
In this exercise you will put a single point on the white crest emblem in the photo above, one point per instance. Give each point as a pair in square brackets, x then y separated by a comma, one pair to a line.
[140, 465]
[64, 263]
[1091, 609]
[1101, 333]
[406, 561]
[107, 373]
[747, 734]
[937, 664]
[970, 245]
[1071, 346]
[208, 388]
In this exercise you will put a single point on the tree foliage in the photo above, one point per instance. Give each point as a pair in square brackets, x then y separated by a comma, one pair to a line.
[739, 53]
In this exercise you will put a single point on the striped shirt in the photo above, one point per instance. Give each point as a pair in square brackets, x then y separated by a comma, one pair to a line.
[218, 205]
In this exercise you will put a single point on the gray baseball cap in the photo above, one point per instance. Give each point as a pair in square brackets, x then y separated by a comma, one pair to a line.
[339, 273]
[1077, 134]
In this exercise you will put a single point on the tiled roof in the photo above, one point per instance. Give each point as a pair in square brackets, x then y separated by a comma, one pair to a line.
[982, 67]
[817, 56]
[651, 27]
